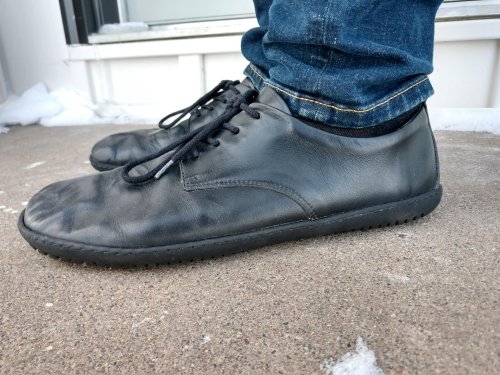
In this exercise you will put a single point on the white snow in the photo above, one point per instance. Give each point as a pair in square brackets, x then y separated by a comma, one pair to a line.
[360, 362]
[125, 27]
[29, 108]
[466, 119]
[76, 110]
[64, 107]
[395, 278]
[35, 165]
[206, 339]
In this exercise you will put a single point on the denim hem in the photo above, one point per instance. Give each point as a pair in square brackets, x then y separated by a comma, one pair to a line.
[412, 94]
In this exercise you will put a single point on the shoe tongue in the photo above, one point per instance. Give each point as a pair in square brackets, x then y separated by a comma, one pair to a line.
[271, 98]
[247, 83]
[242, 87]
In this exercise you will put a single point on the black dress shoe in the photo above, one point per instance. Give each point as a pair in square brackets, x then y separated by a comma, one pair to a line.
[251, 177]
[118, 149]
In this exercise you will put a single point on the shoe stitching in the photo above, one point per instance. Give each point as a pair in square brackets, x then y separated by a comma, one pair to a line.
[331, 106]
[300, 200]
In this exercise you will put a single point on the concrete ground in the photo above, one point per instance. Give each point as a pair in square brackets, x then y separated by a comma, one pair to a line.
[423, 296]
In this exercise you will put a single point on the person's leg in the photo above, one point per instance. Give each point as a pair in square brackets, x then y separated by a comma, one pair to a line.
[252, 45]
[348, 63]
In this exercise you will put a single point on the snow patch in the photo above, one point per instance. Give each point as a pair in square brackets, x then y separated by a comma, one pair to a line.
[66, 107]
[360, 362]
[398, 278]
[76, 110]
[35, 165]
[35, 104]
[206, 339]
[466, 119]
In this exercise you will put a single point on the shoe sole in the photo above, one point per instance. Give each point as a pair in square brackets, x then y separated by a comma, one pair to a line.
[374, 217]
[101, 166]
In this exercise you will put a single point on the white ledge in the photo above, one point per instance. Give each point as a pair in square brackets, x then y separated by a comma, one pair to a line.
[183, 30]
[468, 10]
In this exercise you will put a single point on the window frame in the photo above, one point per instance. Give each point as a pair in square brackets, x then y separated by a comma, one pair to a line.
[82, 20]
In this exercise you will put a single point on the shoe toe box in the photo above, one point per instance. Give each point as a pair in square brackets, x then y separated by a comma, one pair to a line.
[119, 149]
[66, 210]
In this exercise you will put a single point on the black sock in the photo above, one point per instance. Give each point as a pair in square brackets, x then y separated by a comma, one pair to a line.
[369, 131]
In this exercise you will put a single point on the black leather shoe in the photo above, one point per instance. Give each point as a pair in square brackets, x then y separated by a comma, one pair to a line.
[253, 176]
[118, 149]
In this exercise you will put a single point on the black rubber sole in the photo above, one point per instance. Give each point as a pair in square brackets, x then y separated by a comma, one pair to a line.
[102, 167]
[374, 217]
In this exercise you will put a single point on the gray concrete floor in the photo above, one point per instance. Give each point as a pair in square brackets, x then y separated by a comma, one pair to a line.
[424, 296]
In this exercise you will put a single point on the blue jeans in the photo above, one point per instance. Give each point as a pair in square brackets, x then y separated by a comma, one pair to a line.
[348, 63]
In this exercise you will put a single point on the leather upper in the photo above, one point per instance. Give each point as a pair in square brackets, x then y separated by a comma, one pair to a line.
[276, 170]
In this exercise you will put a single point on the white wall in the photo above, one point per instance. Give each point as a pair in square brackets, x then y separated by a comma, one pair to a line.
[32, 44]
[466, 64]
[3, 84]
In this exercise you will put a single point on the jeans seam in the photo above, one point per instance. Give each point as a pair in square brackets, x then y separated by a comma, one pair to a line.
[331, 106]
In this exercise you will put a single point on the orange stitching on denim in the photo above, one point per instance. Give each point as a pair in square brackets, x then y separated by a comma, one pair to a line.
[332, 106]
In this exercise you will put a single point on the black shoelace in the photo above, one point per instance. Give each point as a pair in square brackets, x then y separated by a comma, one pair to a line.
[188, 143]
[195, 108]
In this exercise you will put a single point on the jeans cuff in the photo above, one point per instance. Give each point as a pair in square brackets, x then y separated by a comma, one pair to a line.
[414, 92]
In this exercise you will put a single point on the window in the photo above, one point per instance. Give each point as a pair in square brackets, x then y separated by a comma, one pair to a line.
[156, 12]
[85, 17]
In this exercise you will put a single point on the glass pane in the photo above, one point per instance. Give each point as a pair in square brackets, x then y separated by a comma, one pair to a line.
[174, 11]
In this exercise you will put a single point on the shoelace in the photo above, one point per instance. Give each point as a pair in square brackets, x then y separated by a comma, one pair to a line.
[194, 108]
[188, 143]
